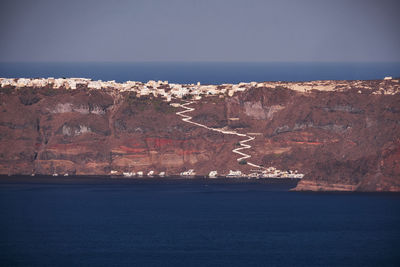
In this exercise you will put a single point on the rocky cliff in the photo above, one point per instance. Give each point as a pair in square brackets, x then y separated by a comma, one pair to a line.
[346, 137]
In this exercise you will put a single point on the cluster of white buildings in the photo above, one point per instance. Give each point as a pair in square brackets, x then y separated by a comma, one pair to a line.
[156, 88]
[270, 172]
[173, 90]
[138, 174]
[71, 83]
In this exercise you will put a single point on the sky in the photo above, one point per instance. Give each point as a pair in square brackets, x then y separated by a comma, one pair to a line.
[200, 30]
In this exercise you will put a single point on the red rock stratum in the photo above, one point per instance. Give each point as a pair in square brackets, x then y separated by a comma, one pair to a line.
[343, 135]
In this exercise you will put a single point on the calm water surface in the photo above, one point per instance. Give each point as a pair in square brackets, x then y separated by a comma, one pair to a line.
[92, 222]
[205, 72]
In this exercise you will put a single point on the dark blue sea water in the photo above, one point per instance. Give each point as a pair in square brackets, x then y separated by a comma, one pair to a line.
[89, 222]
[205, 72]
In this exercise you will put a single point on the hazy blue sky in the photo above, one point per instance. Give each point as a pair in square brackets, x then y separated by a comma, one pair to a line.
[190, 30]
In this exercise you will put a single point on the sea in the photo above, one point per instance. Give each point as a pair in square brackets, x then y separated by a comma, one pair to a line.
[203, 72]
[98, 221]
[57, 221]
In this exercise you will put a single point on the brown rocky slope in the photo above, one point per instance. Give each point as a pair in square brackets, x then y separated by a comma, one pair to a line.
[347, 139]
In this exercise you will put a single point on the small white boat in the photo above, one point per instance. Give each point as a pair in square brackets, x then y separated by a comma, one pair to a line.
[188, 173]
[213, 174]
[267, 175]
[128, 174]
[234, 174]
[254, 175]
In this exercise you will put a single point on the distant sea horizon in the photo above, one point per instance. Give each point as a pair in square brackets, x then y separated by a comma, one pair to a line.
[204, 72]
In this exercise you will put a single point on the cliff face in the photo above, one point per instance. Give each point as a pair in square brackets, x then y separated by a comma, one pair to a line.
[87, 132]
[341, 140]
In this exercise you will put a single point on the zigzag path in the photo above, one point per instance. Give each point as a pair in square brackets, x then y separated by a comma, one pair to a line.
[242, 143]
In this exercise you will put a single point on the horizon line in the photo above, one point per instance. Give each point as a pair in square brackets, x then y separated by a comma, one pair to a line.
[194, 61]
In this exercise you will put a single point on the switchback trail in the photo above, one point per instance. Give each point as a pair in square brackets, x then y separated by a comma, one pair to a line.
[242, 143]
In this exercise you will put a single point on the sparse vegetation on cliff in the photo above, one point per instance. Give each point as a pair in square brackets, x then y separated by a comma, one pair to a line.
[47, 91]
[28, 96]
[6, 90]
[143, 102]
